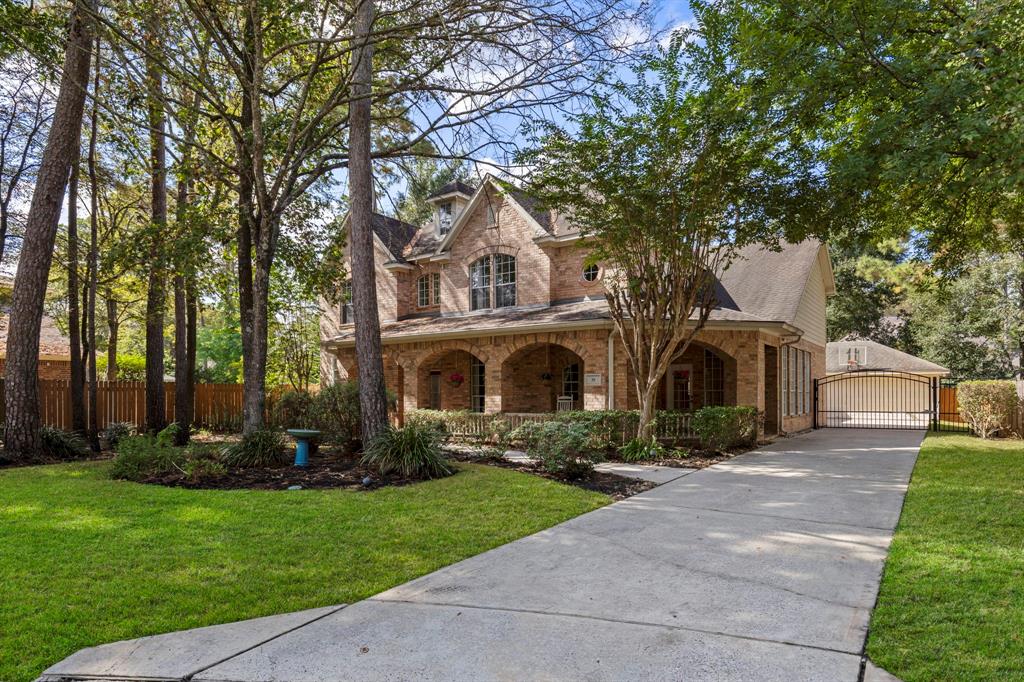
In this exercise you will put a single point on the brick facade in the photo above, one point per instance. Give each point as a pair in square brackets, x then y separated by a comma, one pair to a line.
[525, 372]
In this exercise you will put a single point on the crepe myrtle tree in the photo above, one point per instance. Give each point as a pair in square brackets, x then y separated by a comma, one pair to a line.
[667, 178]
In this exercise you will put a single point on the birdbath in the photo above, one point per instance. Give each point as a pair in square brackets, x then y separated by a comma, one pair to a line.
[302, 438]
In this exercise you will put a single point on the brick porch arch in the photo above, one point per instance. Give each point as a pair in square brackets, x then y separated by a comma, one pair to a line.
[416, 361]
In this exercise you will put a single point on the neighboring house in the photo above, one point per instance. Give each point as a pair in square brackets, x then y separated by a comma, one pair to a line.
[54, 349]
[490, 308]
[54, 346]
[861, 355]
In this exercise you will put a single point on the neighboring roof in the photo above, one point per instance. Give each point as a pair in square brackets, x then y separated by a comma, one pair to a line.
[452, 188]
[53, 344]
[876, 357]
[766, 284]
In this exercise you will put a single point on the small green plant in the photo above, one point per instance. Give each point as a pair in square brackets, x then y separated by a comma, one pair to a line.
[335, 412]
[200, 469]
[62, 445]
[116, 432]
[263, 448]
[987, 405]
[640, 450]
[413, 451]
[559, 448]
[145, 456]
[719, 428]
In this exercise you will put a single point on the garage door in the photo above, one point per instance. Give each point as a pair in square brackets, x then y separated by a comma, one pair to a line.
[876, 400]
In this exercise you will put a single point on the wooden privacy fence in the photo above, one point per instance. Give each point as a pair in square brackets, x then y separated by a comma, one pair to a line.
[217, 406]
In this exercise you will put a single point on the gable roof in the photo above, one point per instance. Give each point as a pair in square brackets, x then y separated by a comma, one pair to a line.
[455, 187]
[769, 285]
[393, 233]
[879, 357]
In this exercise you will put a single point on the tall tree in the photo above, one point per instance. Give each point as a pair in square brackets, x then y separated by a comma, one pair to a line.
[76, 389]
[678, 176]
[92, 266]
[155, 291]
[372, 396]
[21, 440]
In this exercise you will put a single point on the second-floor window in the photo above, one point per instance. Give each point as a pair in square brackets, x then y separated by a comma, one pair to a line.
[347, 311]
[423, 291]
[497, 272]
[428, 290]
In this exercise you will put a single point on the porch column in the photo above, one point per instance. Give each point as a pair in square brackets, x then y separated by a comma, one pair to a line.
[410, 386]
[492, 386]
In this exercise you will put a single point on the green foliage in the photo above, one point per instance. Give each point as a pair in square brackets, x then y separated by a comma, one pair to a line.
[335, 411]
[988, 406]
[640, 450]
[430, 419]
[116, 432]
[145, 456]
[413, 451]
[219, 351]
[876, 90]
[564, 448]
[202, 464]
[264, 448]
[720, 428]
[62, 445]
[294, 410]
[130, 367]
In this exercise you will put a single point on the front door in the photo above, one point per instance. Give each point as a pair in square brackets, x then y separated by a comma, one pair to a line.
[679, 387]
[435, 390]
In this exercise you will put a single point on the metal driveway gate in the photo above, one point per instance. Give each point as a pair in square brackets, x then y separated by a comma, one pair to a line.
[881, 400]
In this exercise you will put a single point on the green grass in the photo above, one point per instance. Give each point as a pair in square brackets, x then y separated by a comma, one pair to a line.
[86, 560]
[951, 605]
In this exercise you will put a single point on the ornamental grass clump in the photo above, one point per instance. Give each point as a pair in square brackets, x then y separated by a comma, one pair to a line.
[413, 451]
[62, 445]
[263, 448]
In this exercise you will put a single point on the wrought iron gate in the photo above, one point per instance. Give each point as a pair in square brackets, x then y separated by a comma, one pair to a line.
[885, 400]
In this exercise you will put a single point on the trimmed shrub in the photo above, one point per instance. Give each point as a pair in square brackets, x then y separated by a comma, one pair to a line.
[335, 412]
[294, 410]
[145, 456]
[62, 445]
[413, 451]
[430, 419]
[559, 447]
[263, 448]
[988, 406]
[719, 428]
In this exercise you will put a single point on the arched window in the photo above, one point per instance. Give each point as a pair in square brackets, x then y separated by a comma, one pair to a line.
[503, 281]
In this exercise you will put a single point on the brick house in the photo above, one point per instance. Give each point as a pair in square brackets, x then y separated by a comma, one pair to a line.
[489, 307]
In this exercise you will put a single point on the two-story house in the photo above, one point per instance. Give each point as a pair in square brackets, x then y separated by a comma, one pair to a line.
[490, 307]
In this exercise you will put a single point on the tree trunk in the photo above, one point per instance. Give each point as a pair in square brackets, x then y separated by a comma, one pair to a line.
[155, 295]
[181, 384]
[94, 210]
[3, 229]
[21, 439]
[77, 379]
[113, 327]
[372, 390]
[190, 342]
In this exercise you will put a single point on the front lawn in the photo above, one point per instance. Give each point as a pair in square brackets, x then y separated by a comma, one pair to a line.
[951, 605]
[86, 560]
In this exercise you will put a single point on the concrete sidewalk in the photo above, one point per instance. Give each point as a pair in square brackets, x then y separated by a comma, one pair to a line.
[765, 567]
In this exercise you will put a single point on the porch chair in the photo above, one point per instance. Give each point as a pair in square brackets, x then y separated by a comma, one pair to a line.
[564, 403]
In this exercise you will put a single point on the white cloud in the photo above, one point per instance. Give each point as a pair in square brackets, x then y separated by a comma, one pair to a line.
[684, 27]
[629, 35]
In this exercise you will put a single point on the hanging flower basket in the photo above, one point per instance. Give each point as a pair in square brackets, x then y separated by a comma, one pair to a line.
[456, 379]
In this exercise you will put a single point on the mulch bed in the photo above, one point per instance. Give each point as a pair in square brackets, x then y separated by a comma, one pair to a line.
[324, 471]
[616, 487]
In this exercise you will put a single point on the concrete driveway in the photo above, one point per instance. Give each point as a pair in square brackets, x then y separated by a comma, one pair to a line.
[765, 567]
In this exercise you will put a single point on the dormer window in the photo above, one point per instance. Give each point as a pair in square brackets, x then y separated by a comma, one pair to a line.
[445, 216]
